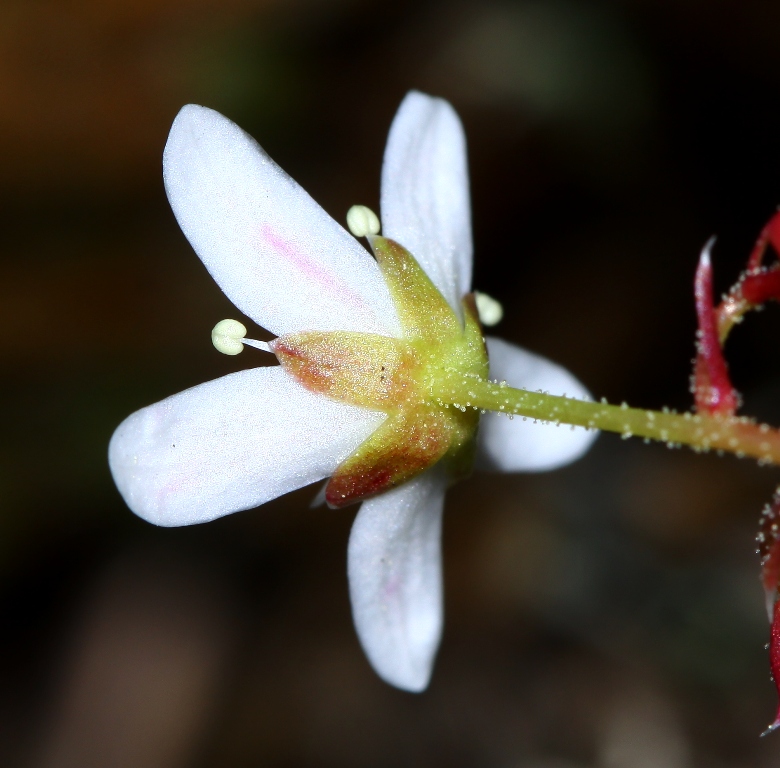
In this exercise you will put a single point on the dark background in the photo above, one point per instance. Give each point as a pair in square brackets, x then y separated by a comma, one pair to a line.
[608, 615]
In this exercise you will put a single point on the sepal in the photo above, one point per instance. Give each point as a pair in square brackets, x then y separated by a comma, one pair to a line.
[363, 369]
[423, 311]
[403, 447]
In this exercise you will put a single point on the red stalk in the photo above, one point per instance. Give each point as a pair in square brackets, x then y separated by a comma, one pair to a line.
[713, 391]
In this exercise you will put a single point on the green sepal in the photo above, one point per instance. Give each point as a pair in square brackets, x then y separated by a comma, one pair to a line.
[424, 313]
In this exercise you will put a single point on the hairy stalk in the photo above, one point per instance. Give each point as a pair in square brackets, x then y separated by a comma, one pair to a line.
[702, 432]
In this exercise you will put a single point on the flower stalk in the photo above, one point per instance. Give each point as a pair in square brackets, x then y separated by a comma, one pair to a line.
[701, 431]
[714, 424]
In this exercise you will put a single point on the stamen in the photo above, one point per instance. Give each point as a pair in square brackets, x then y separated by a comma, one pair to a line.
[263, 346]
[362, 221]
[228, 338]
[490, 311]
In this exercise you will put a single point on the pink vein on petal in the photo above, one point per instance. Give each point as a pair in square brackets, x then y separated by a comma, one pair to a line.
[335, 288]
[392, 586]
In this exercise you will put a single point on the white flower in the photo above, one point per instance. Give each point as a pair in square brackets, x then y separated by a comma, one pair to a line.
[239, 441]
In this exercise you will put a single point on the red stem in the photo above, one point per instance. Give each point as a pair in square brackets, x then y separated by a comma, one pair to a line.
[760, 287]
[713, 391]
[770, 234]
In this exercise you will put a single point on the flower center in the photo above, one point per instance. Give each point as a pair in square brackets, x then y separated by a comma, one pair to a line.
[400, 377]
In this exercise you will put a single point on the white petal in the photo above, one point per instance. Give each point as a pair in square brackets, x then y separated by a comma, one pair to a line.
[275, 253]
[395, 583]
[425, 192]
[231, 444]
[516, 445]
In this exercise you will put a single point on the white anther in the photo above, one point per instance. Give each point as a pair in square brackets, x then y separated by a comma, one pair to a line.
[490, 311]
[362, 221]
[227, 337]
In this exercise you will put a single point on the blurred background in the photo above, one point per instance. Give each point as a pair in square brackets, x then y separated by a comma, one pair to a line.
[608, 615]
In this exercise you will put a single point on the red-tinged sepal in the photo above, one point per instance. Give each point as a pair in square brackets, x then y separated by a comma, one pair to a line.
[405, 445]
[362, 369]
[712, 387]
